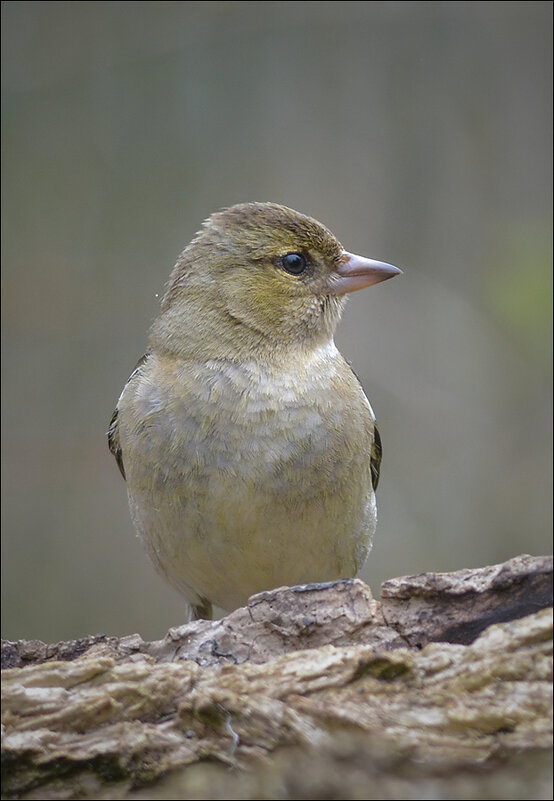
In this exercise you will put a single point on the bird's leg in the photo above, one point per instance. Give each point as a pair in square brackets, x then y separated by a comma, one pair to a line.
[200, 611]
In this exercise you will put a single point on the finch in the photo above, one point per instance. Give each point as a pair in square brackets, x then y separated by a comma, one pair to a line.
[248, 446]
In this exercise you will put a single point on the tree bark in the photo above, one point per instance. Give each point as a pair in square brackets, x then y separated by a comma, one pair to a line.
[440, 689]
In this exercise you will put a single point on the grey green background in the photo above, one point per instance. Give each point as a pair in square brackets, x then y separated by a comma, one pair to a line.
[419, 132]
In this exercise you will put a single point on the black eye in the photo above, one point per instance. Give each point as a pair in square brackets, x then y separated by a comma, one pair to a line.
[294, 263]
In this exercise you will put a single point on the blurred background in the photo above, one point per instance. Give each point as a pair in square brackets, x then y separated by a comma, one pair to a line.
[419, 132]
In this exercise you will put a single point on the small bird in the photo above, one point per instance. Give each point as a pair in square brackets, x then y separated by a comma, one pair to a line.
[248, 445]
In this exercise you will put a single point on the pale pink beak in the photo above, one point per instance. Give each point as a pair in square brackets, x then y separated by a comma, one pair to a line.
[357, 272]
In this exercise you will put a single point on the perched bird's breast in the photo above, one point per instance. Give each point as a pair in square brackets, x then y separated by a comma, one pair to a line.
[246, 454]
[246, 419]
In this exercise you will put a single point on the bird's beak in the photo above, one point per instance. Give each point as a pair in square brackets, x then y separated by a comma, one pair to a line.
[357, 272]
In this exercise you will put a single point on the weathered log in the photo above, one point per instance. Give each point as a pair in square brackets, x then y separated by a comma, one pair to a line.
[376, 699]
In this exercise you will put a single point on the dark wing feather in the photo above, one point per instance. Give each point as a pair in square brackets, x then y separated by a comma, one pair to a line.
[376, 447]
[375, 458]
[113, 441]
[113, 431]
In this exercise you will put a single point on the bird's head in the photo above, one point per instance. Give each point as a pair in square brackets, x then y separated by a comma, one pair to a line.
[260, 278]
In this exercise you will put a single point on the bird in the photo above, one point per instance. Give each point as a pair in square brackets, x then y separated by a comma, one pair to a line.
[249, 448]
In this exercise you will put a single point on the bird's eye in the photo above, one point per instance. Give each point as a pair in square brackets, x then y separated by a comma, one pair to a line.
[294, 263]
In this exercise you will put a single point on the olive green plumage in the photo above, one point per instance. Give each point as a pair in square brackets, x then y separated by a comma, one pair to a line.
[248, 446]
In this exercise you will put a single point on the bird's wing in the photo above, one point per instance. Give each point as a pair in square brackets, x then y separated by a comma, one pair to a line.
[375, 458]
[113, 431]
[376, 447]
